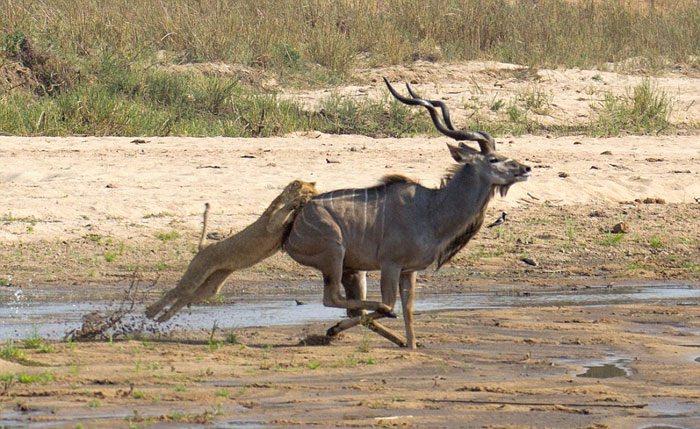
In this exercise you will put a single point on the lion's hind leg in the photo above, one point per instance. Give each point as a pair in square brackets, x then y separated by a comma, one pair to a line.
[211, 286]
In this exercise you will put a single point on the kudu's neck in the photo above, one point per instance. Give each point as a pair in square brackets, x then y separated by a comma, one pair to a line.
[460, 202]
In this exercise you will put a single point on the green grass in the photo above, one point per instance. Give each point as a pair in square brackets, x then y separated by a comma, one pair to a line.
[167, 235]
[12, 353]
[125, 99]
[612, 239]
[42, 378]
[643, 110]
[314, 364]
[35, 342]
[110, 256]
[655, 242]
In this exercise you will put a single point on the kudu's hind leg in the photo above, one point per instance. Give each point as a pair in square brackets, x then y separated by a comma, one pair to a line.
[355, 284]
[332, 281]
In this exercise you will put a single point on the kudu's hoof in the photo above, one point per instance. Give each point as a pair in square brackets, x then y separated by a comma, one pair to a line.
[386, 313]
[332, 331]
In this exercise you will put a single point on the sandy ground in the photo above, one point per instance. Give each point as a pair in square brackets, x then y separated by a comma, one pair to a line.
[482, 368]
[78, 210]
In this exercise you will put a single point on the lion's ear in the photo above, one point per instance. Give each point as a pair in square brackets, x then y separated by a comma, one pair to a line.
[280, 217]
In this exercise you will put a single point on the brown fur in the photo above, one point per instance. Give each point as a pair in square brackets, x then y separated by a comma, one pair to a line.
[209, 268]
[391, 179]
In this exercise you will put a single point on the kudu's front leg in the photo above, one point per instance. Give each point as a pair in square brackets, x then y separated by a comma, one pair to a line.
[407, 287]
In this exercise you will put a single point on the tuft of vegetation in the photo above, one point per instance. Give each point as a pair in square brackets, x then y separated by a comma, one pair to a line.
[167, 235]
[655, 242]
[35, 342]
[612, 239]
[42, 378]
[644, 110]
[12, 353]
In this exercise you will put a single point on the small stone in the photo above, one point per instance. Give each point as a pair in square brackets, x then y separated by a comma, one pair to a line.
[529, 261]
[111, 186]
[215, 235]
[650, 200]
[299, 302]
[138, 141]
[620, 228]
[607, 152]
[596, 213]
[577, 142]
[332, 161]
[563, 174]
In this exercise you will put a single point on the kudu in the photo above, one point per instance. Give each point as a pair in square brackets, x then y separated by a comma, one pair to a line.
[399, 226]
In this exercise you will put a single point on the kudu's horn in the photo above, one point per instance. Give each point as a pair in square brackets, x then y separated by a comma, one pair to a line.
[486, 143]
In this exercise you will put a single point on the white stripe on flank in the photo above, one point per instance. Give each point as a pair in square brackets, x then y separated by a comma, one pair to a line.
[364, 216]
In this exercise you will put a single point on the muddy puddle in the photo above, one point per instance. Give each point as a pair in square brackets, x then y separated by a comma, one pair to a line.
[616, 368]
[21, 316]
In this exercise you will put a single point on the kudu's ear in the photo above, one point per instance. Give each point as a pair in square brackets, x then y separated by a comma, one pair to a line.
[461, 153]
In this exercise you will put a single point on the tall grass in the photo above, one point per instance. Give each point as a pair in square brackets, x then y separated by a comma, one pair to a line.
[282, 34]
[123, 100]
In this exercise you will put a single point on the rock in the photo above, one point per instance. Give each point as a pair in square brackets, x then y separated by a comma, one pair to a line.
[529, 261]
[563, 174]
[620, 228]
[138, 141]
[299, 302]
[111, 186]
[607, 152]
[596, 213]
[215, 235]
[332, 161]
[650, 200]
[577, 142]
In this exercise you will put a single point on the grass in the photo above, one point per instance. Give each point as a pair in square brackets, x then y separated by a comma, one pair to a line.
[655, 242]
[612, 239]
[42, 378]
[643, 110]
[104, 78]
[165, 236]
[124, 99]
[329, 37]
[35, 342]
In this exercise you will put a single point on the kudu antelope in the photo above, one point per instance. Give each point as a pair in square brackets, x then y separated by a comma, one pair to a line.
[399, 226]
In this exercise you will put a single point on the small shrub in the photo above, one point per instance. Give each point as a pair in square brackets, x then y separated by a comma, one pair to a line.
[643, 111]
[612, 239]
[167, 235]
[655, 242]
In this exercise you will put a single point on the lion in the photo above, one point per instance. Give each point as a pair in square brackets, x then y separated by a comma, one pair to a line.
[210, 267]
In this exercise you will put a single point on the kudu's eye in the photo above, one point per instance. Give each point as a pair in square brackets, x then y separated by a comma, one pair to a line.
[493, 160]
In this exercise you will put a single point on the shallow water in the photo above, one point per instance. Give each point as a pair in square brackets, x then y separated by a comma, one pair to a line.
[21, 318]
[607, 370]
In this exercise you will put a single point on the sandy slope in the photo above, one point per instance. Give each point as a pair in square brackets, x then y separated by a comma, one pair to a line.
[571, 96]
[74, 186]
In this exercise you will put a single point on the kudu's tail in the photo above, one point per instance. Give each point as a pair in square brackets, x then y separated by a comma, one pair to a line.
[210, 267]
